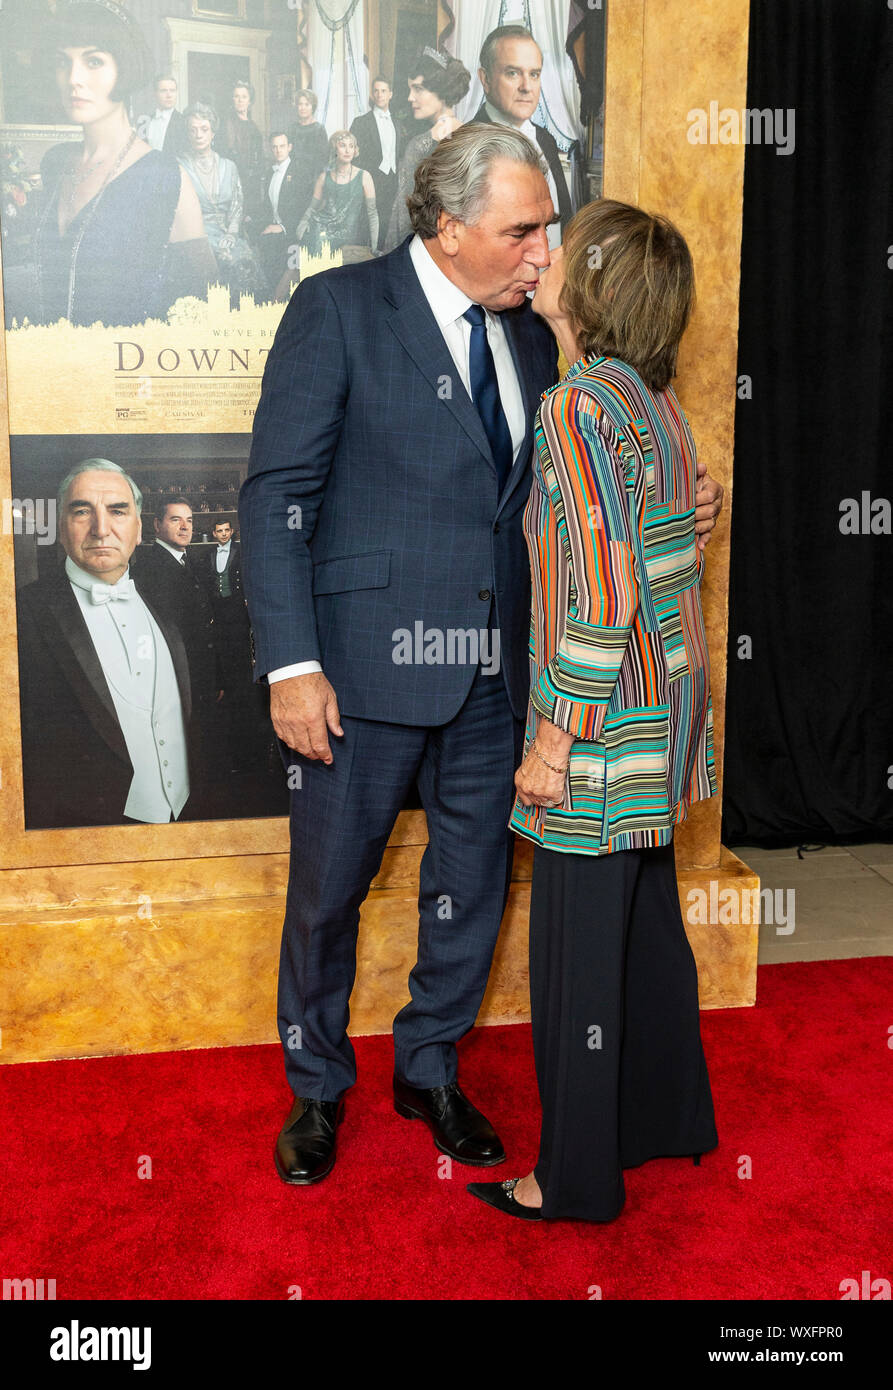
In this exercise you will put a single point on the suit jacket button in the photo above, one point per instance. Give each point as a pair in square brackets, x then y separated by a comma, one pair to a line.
[496, 529]
[484, 593]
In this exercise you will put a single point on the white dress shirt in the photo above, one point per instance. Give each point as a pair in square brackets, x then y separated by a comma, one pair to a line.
[223, 555]
[448, 304]
[275, 186]
[140, 675]
[387, 134]
[156, 128]
[529, 129]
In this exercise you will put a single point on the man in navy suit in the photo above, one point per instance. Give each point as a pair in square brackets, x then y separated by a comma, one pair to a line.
[388, 584]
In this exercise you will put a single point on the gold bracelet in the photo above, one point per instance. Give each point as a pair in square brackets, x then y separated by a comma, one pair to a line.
[544, 760]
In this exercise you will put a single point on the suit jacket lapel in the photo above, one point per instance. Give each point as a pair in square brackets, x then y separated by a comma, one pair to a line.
[418, 331]
[377, 133]
[175, 646]
[80, 665]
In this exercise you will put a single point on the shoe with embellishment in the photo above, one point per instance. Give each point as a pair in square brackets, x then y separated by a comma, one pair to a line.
[501, 1195]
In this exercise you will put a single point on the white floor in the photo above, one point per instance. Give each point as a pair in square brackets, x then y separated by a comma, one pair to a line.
[839, 901]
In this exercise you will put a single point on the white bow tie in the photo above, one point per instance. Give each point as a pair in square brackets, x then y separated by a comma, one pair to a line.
[107, 593]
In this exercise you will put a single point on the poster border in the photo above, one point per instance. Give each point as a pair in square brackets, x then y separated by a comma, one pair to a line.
[114, 844]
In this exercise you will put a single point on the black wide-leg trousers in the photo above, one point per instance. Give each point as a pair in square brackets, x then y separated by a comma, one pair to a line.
[616, 1030]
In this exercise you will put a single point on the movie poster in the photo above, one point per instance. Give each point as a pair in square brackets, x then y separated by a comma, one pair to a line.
[171, 169]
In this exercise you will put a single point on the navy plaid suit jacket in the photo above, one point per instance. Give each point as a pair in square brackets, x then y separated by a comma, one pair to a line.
[371, 501]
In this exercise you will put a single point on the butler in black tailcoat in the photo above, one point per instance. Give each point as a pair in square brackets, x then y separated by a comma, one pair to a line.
[282, 209]
[381, 139]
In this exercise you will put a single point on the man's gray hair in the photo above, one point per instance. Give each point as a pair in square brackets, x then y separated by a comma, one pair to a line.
[96, 466]
[455, 177]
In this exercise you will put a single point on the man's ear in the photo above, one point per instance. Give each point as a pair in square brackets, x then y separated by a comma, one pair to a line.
[154, 523]
[448, 233]
[139, 532]
[485, 81]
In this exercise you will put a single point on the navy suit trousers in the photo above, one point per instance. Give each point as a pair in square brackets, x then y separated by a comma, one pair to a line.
[341, 818]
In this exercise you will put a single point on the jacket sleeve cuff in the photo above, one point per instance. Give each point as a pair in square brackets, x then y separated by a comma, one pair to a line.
[573, 691]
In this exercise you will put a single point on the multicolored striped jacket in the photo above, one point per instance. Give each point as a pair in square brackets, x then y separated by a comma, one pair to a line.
[618, 655]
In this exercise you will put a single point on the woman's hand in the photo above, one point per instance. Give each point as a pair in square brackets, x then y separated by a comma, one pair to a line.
[536, 783]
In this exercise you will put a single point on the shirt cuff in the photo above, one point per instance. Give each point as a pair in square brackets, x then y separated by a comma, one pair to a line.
[301, 668]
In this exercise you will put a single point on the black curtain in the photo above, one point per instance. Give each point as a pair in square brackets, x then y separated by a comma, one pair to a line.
[809, 732]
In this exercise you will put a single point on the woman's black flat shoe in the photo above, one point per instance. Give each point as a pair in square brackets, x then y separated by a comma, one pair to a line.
[501, 1195]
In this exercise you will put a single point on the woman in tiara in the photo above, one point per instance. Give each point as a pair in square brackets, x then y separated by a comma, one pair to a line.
[438, 84]
[120, 235]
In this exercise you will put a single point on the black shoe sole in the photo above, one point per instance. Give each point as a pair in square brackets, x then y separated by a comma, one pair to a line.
[409, 1114]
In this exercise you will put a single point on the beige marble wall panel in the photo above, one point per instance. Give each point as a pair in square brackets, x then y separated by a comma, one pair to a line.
[624, 86]
[203, 974]
[692, 55]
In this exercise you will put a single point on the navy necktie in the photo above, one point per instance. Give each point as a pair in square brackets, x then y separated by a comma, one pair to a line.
[485, 394]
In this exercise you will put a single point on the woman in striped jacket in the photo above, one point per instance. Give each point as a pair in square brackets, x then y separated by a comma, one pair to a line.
[619, 731]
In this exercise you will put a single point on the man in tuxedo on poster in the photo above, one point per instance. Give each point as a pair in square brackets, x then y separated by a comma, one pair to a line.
[105, 687]
[165, 127]
[281, 213]
[389, 471]
[381, 140]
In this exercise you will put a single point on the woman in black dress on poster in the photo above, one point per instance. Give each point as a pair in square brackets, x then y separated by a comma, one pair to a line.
[309, 149]
[241, 141]
[120, 235]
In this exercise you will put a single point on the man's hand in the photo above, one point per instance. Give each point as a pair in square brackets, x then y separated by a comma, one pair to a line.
[304, 710]
[708, 505]
[273, 227]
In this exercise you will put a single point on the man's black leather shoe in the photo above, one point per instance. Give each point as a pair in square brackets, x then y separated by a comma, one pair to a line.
[305, 1149]
[460, 1131]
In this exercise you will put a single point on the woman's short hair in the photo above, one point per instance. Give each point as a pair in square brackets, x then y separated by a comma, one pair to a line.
[243, 82]
[311, 97]
[340, 135]
[629, 287]
[203, 112]
[107, 26]
[455, 177]
[446, 77]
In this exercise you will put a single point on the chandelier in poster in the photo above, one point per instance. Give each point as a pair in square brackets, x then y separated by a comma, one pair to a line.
[172, 169]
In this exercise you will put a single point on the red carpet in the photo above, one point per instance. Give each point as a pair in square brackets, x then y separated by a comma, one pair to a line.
[801, 1085]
